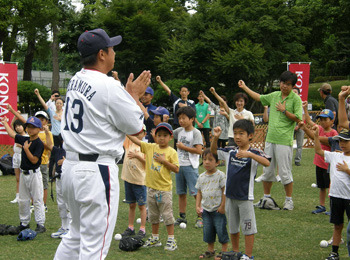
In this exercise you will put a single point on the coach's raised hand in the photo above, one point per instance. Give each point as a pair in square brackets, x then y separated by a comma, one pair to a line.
[137, 87]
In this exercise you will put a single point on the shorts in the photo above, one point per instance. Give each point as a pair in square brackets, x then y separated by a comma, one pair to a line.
[160, 203]
[240, 213]
[338, 206]
[281, 156]
[214, 223]
[186, 177]
[45, 173]
[322, 178]
[16, 161]
[135, 193]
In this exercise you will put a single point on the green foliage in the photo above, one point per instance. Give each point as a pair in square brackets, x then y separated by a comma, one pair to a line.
[27, 97]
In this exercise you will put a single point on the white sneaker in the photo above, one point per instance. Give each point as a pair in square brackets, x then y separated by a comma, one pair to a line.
[288, 205]
[58, 233]
[330, 241]
[14, 201]
[259, 179]
[64, 233]
[278, 178]
[171, 245]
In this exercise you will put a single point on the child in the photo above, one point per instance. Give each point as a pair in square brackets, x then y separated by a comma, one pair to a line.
[161, 160]
[30, 181]
[160, 114]
[133, 174]
[322, 173]
[241, 167]
[202, 118]
[18, 126]
[58, 154]
[189, 147]
[339, 190]
[44, 118]
[210, 195]
[220, 118]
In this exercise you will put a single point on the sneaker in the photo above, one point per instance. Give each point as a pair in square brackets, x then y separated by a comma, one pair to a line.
[258, 204]
[259, 179]
[141, 234]
[64, 234]
[128, 232]
[319, 209]
[330, 241]
[199, 223]
[58, 233]
[245, 257]
[31, 209]
[40, 229]
[327, 213]
[170, 245]
[333, 256]
[14, 201]
[22, 227]
[297, 163]
[288, 205]
[152, 242]
[278, 178]
[179, 221]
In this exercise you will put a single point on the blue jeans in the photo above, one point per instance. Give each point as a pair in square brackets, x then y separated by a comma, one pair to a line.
[135, 193]
[186, 177]
[214, 223]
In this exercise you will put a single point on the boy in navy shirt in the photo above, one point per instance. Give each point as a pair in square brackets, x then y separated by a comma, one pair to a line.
[241, 164]
[30, 181]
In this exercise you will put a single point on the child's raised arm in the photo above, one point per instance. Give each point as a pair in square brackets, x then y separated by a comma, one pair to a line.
[342, 117]
[41, 100]
[49, 144]
[205, 97]
[214, 144]
[221, 101]
[306, 114]
[165, 87]
[8, 129]
[318, 148]
[18, 115]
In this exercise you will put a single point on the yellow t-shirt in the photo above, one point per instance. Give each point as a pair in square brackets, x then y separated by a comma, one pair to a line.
[46, 154]
[133, 169]
[157, 175]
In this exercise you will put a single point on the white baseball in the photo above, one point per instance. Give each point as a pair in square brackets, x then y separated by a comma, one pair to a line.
[323, 243]
[138, 221]
[314, 185]
[118, 237]
[183, 225]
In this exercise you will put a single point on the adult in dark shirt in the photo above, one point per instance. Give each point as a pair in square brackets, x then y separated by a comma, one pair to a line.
[330, 102]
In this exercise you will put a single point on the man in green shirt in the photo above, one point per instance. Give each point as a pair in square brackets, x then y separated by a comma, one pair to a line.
[285, 112]
[202, 119]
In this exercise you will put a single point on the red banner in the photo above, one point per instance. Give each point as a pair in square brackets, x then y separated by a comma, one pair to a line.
[8, 95]
[303, 72]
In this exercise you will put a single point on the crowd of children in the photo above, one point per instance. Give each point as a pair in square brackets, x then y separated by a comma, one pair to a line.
[221, 199]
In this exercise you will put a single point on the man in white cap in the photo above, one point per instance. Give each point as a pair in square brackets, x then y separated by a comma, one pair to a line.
[330, 102]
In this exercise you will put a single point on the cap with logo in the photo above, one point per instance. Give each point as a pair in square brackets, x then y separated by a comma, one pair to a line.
[326, 113]
[91, 42]
[344, 134]
[166, 126]
[33, 121]
[160, 111]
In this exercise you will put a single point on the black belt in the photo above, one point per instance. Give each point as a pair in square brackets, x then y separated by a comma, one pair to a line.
[27, 172]
[88, 157]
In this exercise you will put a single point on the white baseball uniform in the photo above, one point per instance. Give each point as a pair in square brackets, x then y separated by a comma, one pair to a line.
[98, 113]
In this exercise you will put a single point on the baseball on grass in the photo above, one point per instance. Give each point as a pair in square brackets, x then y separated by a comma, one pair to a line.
[323, 243]
[118, 237]
[138, 221]
[314, 185]
[183, 225]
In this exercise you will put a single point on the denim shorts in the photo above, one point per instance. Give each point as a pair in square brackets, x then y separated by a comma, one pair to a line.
[135, 193]
[186, 177]
[214, 223]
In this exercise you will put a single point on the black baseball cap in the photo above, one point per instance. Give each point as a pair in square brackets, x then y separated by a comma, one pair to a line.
[91, 42]
[344, 134]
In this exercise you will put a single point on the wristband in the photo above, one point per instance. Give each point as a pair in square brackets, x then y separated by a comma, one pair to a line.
[284, 112]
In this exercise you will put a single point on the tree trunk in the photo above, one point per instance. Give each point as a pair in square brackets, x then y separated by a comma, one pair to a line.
[10, 44]
[55, 64]
[28, 59]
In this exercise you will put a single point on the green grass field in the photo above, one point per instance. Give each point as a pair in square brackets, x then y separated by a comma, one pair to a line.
[281, 234]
